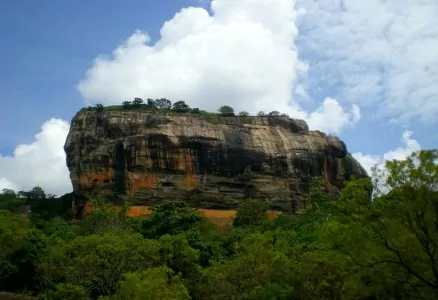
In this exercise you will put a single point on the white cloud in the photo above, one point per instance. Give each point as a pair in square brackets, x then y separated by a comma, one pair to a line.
[409, 145]
[6, 184]
[331, 116]
[41, 163]
[381, 54]
[243, 55]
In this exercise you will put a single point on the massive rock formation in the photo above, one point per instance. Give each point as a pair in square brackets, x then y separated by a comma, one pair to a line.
[211, 161]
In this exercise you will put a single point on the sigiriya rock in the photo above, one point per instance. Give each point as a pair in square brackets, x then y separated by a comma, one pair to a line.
[210, 161]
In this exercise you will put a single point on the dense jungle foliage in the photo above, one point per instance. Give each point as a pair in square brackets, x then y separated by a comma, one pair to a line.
[351, 247]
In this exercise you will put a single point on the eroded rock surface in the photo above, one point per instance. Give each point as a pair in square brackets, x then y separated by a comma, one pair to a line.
[211, 161]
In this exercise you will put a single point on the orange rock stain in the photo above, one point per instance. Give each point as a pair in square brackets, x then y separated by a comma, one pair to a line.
[138, 181]
[190, 180]
[186, 164]
[142, 181]
[180, 162]
[222, 218]
[138, 211]
[89, 179]
[326, 175]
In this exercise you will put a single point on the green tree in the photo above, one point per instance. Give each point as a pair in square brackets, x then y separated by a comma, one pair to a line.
[150, 103]
[14, 232]
[243, 114]
[210, 247]
[251, 212]
[249, 274]
[126, 104]
[20, 246]
[404, 222]
[97, 262]
[99, 107]
[170, 218]
[44, 206]
[154, 283]
[65, 291]
[137, 102]
[177, 254]
[274, 113]
[395, 234]
[181, 106]
[261, 114]
[9, 200]
[226, 110]
[33, 196]
[106, 217]
[163, 103]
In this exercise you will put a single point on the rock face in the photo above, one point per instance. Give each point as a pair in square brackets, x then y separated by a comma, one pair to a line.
[210, 161]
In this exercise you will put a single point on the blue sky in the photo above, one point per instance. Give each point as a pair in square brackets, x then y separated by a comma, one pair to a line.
[48, 45]
[365, 70]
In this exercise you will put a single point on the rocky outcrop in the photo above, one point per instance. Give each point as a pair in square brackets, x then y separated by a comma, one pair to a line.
[210, 161]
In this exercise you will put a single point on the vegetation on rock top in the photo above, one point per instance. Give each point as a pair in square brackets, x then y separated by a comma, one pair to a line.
[165, 105]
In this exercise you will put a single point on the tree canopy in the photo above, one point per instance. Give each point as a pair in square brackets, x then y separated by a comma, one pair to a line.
[226, 110]
[165, 105]
[346, 246]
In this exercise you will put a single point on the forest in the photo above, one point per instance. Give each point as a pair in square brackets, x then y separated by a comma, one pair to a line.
[348, 246]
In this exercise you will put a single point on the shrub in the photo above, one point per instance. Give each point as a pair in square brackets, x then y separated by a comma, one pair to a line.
[226, 110]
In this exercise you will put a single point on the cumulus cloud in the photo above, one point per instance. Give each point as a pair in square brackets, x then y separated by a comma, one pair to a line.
[331, 116]
[40, 163]
[409, 145]
[380, 54]
[6, 184]
[242, 54]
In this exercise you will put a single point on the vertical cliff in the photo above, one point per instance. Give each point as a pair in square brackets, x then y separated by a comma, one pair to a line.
[210, 161]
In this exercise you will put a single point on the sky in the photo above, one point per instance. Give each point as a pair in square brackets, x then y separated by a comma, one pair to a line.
[364, 70]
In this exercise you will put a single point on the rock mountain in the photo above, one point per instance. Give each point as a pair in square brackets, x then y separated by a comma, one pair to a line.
[211, 161]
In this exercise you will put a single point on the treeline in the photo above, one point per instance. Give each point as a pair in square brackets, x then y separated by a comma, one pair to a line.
[342, 248]
[180, 107]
